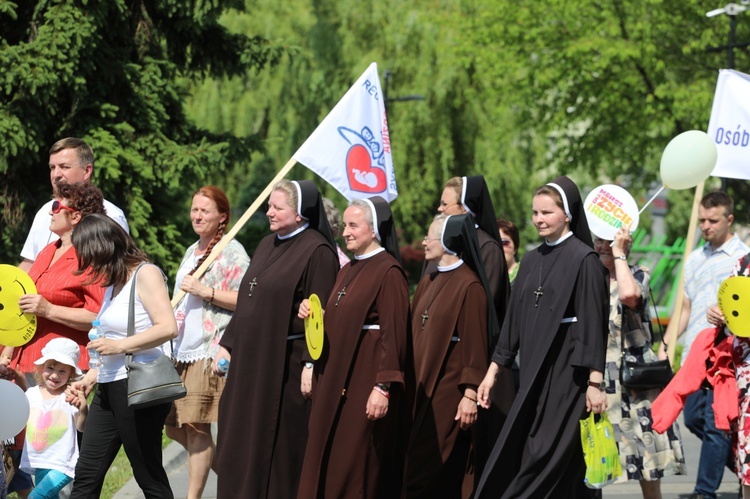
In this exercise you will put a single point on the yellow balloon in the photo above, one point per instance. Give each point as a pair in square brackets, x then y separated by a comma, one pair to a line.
[16, 327]
[734, 302]
[314, 328]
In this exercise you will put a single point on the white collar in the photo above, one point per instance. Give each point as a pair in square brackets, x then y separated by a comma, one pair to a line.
[561, 240]
[294, 233]
[450, 267]
[369, 255]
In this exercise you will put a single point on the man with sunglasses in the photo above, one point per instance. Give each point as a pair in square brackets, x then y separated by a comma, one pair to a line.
[71, 160]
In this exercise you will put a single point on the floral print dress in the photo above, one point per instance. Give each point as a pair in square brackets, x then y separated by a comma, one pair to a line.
[644, 454]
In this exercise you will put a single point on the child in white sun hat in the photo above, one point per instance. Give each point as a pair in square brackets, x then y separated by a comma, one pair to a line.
[51, 449]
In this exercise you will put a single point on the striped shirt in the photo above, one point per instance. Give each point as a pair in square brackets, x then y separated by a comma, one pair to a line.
[705, 270]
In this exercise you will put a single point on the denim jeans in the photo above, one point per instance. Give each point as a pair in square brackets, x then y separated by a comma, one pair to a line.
[698, 415]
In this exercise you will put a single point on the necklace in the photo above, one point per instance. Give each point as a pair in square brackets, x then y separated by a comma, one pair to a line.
[539, 292]
[435, 292]
[349, 276]
[265, 266]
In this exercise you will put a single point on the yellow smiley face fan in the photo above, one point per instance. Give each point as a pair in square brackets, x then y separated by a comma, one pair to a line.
[314, 328]
[16, 327]
[734, 302]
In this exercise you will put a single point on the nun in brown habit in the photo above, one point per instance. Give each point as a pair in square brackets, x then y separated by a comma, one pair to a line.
[360, 411]
[263, 412]
[450, 317]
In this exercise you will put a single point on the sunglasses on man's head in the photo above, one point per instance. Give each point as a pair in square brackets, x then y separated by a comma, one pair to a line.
[57, 206]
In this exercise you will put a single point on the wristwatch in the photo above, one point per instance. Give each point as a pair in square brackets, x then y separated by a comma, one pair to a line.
[621, 257]
[601, 385]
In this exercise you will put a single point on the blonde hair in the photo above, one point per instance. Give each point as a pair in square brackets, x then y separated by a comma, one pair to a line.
[288, 188]
[457, 184]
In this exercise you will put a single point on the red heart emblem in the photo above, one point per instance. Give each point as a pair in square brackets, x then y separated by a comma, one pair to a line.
[364, 177]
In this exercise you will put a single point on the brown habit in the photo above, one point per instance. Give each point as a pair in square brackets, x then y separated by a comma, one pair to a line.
[262, 414]
[450, 352]
[348, 455]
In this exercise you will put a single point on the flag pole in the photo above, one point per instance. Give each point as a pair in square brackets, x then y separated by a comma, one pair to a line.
[674, 321]
[180, 294]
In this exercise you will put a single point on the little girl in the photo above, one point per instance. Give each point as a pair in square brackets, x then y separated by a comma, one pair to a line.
[51, 448]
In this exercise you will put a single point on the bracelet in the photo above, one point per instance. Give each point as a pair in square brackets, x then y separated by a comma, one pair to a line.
[381, 391]
[309, 365]
[383, 387]
[213, 294]
[473, 400]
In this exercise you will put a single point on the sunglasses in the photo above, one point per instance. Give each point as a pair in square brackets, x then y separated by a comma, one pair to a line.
[57, 206]
[506, 242]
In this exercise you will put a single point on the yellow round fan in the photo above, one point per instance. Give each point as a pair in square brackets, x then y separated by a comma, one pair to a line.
[734, 302]
[314, 328]
[16, 327]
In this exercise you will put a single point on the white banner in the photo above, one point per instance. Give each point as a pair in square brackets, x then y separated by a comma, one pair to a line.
[351, 148]
[729, 126]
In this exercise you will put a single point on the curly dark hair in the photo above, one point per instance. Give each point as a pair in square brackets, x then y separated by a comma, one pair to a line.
[82, 197]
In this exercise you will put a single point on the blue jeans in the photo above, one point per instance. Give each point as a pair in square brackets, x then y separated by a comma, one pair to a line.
[716, 447]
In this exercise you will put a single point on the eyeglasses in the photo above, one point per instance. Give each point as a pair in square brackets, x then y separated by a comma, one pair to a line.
[444, 205]
[57, 206]
[506, 242]
[427, 239]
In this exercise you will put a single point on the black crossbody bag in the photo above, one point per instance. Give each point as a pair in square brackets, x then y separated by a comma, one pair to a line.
[641, 375]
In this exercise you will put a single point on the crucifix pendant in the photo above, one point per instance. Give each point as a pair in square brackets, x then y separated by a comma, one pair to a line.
[539, 293]
[424, 318]
[340, 293]
[253, 283]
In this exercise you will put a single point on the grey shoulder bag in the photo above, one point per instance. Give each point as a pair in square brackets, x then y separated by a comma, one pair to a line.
[150, 383]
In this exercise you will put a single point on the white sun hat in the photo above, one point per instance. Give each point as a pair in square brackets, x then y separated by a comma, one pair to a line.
[63, 350]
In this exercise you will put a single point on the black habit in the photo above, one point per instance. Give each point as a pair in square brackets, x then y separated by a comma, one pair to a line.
[562, 335]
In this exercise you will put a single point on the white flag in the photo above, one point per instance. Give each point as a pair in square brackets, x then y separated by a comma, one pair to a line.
[729, 126]
[351, 148]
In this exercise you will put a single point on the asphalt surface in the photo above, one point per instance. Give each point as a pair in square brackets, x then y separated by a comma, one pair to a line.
[673, 487]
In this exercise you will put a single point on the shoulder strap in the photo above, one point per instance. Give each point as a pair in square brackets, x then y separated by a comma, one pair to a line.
[656, 315]
[131, 310]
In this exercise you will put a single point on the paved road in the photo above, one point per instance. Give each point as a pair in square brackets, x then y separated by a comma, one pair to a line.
[675, 487]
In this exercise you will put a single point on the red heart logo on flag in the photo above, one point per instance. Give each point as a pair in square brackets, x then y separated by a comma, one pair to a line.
[364, 177]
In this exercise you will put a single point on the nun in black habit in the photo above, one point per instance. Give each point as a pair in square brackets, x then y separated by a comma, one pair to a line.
[471, 195]
[557, 319]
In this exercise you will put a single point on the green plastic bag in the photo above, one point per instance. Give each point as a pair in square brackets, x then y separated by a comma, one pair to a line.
[599, 451]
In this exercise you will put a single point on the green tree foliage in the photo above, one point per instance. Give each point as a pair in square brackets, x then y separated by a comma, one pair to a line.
[331, 43]
[517, 91]
[112, 72]
[607, 84]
